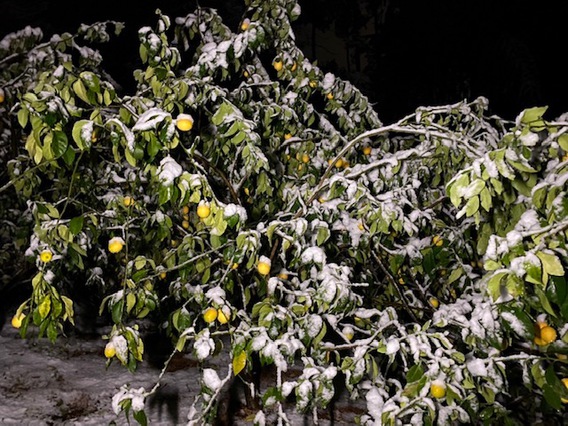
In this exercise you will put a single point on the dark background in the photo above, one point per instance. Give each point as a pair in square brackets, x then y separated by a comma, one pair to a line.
[401, 53]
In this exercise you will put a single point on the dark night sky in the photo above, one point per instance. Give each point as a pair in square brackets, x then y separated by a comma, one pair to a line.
[424, 53]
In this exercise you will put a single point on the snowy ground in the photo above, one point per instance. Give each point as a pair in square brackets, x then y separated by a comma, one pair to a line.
[69, 384]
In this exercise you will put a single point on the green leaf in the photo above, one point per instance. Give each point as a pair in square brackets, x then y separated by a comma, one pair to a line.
[551, 265]
[562, 141]
[485, 198]
[59, 144]
[81, 91]
[76, 225]
[455, 275]
[533, 114]
[415, 373]
[140, 417]
[116, 311]
[44, 307]
[23, 115]
[494, 284]
[544, 301]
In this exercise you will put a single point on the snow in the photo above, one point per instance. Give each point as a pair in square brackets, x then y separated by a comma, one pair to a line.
[313, 254]
[477, 368]
[235, 209]
[169, 170]
[150, 119]
[211, 379]
[69, 384]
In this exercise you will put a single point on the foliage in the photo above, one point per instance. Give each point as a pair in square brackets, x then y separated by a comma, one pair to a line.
[405, 257]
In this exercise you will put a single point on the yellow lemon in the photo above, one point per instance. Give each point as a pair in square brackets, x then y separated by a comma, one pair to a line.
[438, 389]
[329, 96]
[222, 316]
[245, 24]
[548, 334]
[283, 275]
[185, 224]
[263, 266]
[539, 342]
[294, 66]
[367, 150]
[339, 163]
[17, 320]
[287, 136]
[246, 74]
[437, 241]
[115, 244]
[565, 382]
[174, 243]
[401, 281]
[210, 315]
[360, 226]
[163, 275]
[110, 350]
[277, 65]
[313, 84]
[128, 201]
[235, 265]
[203, 210]
[306, 158]
[185, 210]
[434, 302]
[348, 332]
[184, 122]
[45, 256]
[2, 96]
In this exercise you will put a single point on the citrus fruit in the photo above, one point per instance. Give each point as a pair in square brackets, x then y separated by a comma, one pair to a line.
[437, 241]
[45, 256]
[548, 334]
[277, 65]
[438, 389]
[367, 150]
[565, 382]
[348, 332]
[110, 350]
[245, 24]
[263, 266]
[210, 315]
[203, 210]
[434, 302]
[17, 320]
[115, 244]
[222, 316]
[128, 201]
[184, 122]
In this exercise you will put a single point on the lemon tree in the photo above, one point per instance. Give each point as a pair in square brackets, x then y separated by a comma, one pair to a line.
[256, 204]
